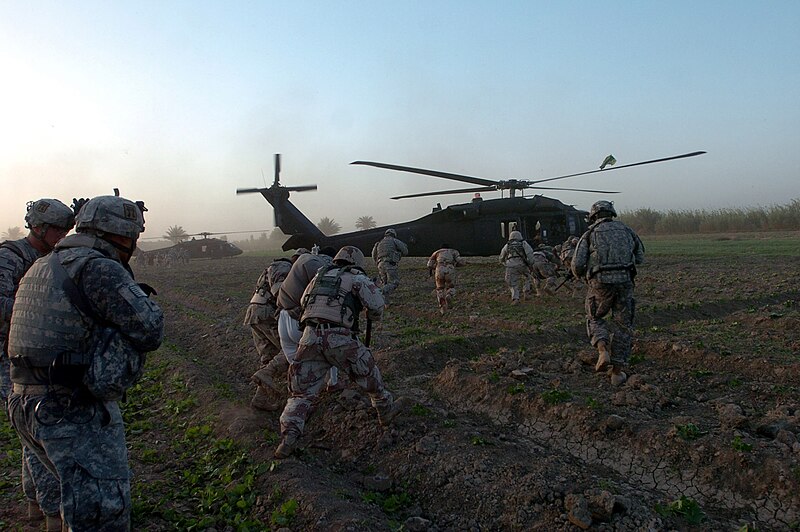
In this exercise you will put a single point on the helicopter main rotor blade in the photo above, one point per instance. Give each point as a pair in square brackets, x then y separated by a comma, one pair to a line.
[434, 173]
[301, 188]
[608, 169]
[442, 192]
[249, 190]
[576, 190]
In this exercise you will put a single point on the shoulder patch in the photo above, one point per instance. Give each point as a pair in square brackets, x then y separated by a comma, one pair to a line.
[136, 290]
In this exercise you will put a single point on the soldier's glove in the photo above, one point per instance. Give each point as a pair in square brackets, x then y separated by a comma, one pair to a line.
[77, 203]
[147, 289]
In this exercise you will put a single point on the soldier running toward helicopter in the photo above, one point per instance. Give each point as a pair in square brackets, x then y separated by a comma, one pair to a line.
[387, 253]
[606, 256]
[442, 267]
[517, 256]
[261, 317]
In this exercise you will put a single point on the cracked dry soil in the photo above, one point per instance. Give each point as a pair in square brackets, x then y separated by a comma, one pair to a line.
[511, 428]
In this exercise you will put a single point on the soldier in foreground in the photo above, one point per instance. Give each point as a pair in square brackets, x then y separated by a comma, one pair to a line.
[260, 315]
[606, 256]
[48, 221]
[442, 266]
[387, 253]
[80, 328]
[517, 256]
[332, 304]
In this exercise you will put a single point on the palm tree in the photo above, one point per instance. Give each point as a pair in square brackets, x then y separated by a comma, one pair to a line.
[365, 222]
[176, 234]
[13, 233]
[328, 226]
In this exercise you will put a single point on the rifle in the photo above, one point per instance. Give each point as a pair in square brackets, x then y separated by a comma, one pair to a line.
[562, 283]
[368, 334]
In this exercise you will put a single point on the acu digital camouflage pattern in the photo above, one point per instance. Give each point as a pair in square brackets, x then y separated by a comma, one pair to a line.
[517, 256]
[324, 346]
[387, 253]
[79, 437]
[606, 256]
[38, 484]
[443, 262]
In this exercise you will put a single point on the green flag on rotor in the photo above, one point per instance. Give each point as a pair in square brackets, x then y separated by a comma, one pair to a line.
[608, 161]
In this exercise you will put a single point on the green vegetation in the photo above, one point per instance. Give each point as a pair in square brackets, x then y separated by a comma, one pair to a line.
[685, 508]
[388, 502]
[516, 388]
[556, 396]
[774, 218]
[715, 246]
[420, 410]
[739, 445]
[689, 431]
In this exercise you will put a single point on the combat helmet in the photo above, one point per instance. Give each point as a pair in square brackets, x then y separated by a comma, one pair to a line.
[602, 206]
[111, 214]
[390, 232]
[47, 211]
[515, 235]
[349, 255]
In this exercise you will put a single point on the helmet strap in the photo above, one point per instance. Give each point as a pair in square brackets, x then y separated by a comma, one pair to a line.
[125, 249]
[47, 248]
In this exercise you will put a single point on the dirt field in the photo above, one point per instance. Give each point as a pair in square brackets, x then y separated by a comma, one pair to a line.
[510, 428]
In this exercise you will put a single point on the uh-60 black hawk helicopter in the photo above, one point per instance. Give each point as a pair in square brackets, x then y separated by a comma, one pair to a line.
[478, 228]
[194, 248]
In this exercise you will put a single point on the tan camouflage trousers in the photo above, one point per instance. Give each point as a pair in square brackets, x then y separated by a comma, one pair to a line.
[518, 277]
[390, 278]
[544, 277]
[319, 350]
[266, 340]
[617, 299]
[445, 278]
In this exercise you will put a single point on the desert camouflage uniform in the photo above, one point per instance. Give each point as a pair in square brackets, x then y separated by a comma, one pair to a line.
[517, 256]
[79, 438]
[387, 253]
[38, 484]
[329, 341]
[443, 263]
[543, 271]
[606, 256]
[261, 317]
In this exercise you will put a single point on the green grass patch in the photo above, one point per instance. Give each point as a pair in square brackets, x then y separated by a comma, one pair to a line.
[684, 508]
[689, 431]
[739, 445]
[556, 396]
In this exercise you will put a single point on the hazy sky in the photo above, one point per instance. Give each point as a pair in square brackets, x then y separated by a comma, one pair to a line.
[179, 103]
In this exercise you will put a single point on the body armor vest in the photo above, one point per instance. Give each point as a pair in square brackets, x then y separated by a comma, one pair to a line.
[47, 329]
[330, 297]
[611, 258]
[387, 250]
[516, 250]
[18, 251]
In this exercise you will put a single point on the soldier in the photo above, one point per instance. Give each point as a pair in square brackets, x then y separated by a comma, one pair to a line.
[48, 221]
[261, 317]
[544, 270]
[517, 256]
[332, 303]
[387, 253]
[442, 266]
[79, 331]
[606, 256]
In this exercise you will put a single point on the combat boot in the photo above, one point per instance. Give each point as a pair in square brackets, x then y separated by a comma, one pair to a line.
[618, 377]
[603, 358]
[34, 512]
[263, 379]
[287, 446]
[53, 523]
[262, 401]
[387, 416]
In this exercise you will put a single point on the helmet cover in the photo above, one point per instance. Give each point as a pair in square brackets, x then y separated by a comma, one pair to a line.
[47, 211]
[111, 214]
[350, 255]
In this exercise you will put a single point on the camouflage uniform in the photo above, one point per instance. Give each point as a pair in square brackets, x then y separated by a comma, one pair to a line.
[38, 484]
[387, 253]
[329, 341]
[606, 256]
[517, 256]
[260, 316]
[80, 438]
[443, 265]
[543, 270]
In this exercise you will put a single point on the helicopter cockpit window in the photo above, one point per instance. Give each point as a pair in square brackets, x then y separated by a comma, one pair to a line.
[506, 226]
[203, 249]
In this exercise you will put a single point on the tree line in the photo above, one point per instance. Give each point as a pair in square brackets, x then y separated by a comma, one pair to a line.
[730, 220]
